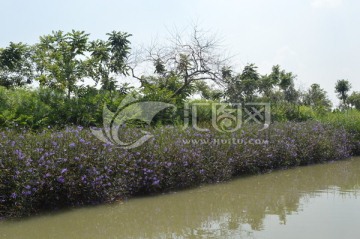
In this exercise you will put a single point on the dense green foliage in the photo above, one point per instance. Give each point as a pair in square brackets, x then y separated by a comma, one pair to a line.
[354, 100]
[60, 63]
[45, 107]
[16, 67]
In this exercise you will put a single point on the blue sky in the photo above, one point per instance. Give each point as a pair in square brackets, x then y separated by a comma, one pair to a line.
[318, 40]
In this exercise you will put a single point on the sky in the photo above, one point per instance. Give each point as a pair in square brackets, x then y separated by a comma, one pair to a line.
[318, 40]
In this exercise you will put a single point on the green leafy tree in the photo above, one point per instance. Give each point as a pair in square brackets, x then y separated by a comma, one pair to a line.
[208, 92]
[287, 85]
[269, 86]
[316, 97]
[109, 59]
[286, 80]
[342, 88]
[292, 95]
[244, 86]
[16, 68]
[249, 81]
[354, 99]
[268, 82]
[167, 84]
[60, 60]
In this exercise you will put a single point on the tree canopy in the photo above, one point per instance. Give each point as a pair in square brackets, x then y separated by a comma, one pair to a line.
[16, 68]
[185, 66]
[342, 88]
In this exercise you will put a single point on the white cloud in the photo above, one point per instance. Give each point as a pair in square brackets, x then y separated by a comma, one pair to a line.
[326, 3]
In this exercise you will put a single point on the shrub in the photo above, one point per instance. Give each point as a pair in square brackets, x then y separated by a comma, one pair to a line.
[50, 169]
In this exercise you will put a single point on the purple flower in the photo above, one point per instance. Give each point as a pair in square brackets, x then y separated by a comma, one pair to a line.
[39, 150]
[61, 179]
[26, 193]
[72, 145]
[156, 182]
[19, 154]
[64, 170]
[147, 171]
[13, 195]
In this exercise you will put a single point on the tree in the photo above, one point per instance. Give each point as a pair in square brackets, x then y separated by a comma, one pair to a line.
[287, 85]
[354, 100]
[243, 87]
[342, 88]
[286, 80]
[59, 58]
[15, 65]
[207, 92]
[268, 82]
[170, 83]
[194, 59]
[279, 80]
[249, 81]
[316, 97]
[292, 95]
[109, 59]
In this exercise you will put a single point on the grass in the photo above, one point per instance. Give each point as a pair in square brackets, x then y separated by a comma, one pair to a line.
[348, 120]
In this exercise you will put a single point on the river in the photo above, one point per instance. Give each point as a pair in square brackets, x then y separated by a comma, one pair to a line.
[319, 201]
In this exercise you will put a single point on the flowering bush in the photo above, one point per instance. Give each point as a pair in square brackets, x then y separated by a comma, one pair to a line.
[60, 168]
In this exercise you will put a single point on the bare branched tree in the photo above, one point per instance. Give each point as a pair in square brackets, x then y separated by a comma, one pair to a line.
[195, 57]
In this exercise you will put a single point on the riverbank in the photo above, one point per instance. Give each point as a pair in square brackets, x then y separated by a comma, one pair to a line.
[54, 169]
[267, 206]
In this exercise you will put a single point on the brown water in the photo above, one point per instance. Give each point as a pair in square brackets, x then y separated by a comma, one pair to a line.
[321, 201]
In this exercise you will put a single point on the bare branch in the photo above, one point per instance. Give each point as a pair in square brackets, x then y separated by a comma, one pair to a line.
[195, 57]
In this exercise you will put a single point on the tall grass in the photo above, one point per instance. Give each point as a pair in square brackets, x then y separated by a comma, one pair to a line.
[348, 120]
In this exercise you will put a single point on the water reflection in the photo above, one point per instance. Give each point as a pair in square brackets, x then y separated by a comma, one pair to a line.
[243, 208]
